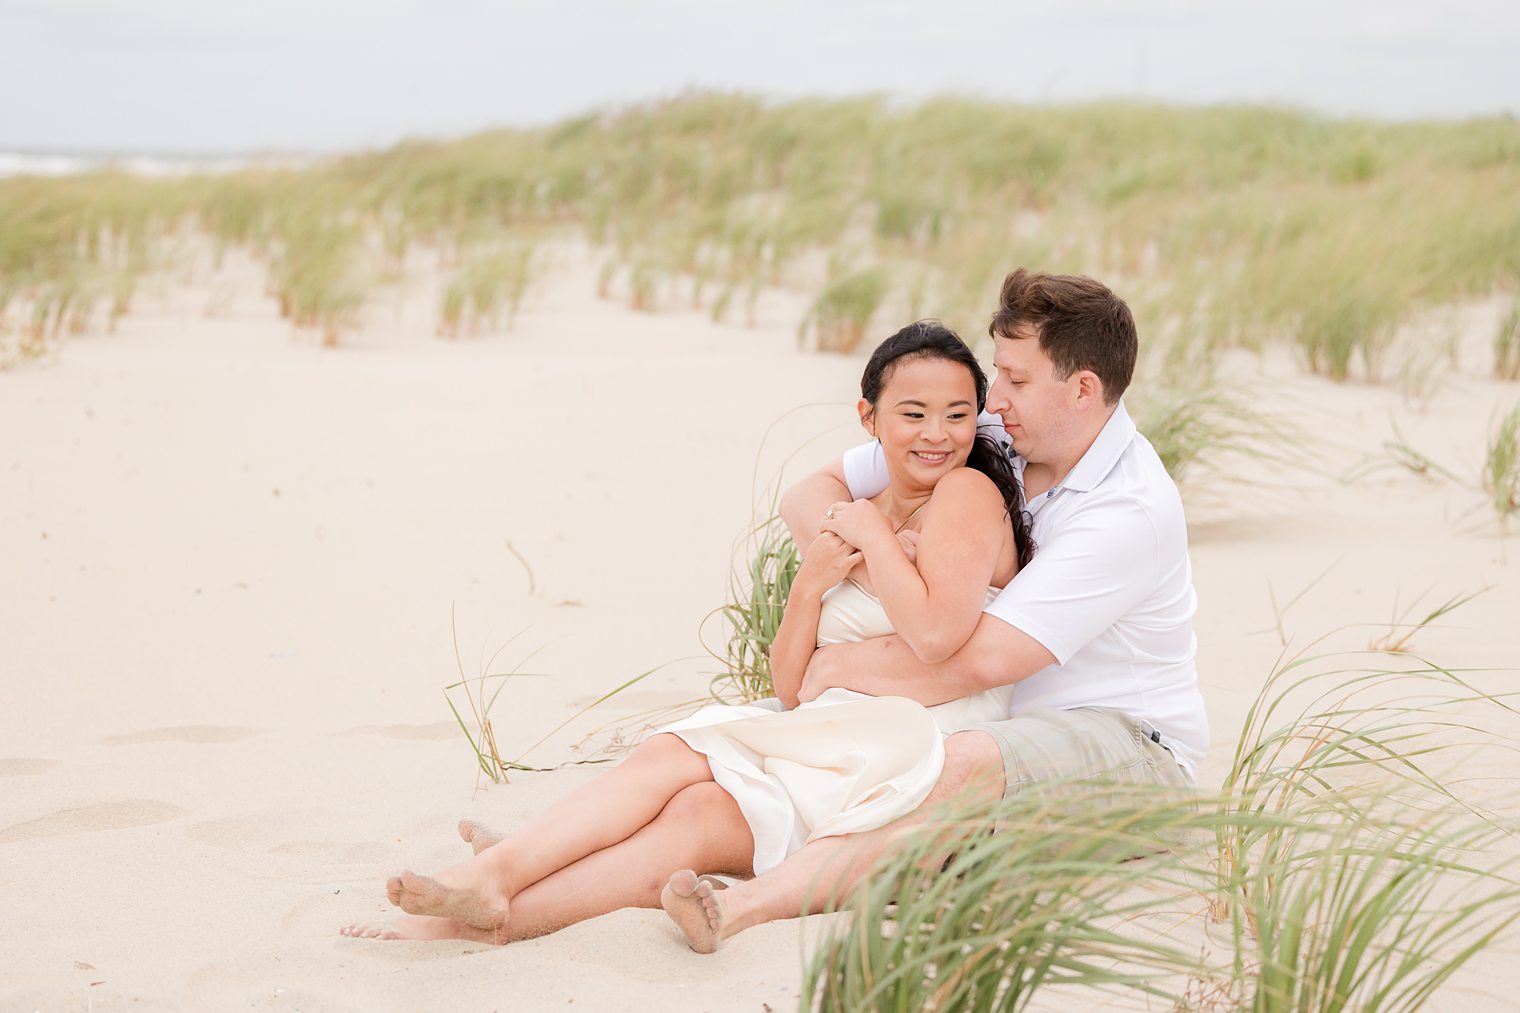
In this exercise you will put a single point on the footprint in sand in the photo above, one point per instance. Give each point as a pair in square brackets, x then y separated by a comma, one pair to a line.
[20, 766]
[433, 732]
[193, 734]
[286, 833]
[89, 819]
[265, 830]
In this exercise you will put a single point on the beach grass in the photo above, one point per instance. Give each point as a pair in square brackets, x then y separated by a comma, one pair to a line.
[1507, 345]
[315, 271]
[844, 309]
[1236, 226]
[1339, 866]
[757, 601]
[1501, 467]
[1194, 426]
[487, 286]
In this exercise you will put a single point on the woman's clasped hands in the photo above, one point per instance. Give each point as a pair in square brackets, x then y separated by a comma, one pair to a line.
[861, 523]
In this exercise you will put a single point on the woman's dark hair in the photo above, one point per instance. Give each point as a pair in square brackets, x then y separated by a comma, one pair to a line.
[930, 339]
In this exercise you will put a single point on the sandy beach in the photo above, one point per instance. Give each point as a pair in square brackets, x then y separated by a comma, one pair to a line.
[231, 559]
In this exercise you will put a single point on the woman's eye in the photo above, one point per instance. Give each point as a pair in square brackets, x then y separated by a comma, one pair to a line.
[913, 415]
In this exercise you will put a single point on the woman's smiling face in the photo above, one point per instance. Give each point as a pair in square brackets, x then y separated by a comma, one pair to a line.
[925, 419]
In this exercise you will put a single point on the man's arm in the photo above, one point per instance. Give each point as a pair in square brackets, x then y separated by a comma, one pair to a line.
[802, 505]
[997, 654]
[859, 474]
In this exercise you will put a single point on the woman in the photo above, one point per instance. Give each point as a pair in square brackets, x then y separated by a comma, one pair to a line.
[736, 789]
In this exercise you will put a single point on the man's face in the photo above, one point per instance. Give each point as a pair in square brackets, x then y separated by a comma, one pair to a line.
[1038, 410]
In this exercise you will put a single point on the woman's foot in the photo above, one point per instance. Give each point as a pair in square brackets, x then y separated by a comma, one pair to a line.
[417, 927]
[696, 907]
[478, 836]
[465, 893]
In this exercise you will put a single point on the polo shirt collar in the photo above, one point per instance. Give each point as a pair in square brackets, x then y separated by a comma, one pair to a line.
[1113, 440]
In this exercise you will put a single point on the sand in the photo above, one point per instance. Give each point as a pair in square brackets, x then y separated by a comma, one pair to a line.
[231, 559]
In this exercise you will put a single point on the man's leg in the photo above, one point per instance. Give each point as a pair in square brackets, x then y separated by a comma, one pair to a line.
[820, 875]
[991, 761]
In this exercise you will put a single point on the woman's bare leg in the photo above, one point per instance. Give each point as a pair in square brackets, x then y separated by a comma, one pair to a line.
[701, 827]
[597, 816]
[820, 876]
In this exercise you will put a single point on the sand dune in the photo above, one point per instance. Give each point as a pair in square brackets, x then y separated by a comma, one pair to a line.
[230, 564]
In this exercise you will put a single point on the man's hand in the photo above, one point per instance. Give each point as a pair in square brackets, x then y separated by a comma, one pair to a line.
[823, 673]
[997, 654]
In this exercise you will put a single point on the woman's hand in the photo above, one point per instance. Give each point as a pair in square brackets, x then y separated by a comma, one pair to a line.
[909, 542]
[827, 561]
[860, 523]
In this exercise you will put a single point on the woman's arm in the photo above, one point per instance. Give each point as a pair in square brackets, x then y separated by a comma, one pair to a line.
[829, 559]
[934, 606]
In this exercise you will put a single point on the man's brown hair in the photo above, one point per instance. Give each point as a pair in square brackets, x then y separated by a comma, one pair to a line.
[1080, 323]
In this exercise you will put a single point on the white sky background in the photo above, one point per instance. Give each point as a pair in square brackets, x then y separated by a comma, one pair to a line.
[205, 76]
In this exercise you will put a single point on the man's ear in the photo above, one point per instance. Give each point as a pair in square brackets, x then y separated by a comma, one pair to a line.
[1089, 388]
[867, 416]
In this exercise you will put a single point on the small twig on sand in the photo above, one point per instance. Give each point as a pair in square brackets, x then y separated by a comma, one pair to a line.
[532, 584]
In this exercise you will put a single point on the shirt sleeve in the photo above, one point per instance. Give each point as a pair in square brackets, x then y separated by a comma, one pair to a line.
[1096, 569]
[865, 470]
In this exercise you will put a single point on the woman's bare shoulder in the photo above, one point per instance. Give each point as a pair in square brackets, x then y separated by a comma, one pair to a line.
[967, 486]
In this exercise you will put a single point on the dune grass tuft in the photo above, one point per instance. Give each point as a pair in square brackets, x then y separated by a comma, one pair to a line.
[315, 274]
[1337, 867]
[843, 310]
[1501, 467]
[484, 288]
[1192, 427]
[757, 600]
[1507, 346]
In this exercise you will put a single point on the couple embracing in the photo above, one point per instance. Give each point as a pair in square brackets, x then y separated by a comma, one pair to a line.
[994, 592]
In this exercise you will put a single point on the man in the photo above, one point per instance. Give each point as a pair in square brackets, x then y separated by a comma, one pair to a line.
[1095, 634]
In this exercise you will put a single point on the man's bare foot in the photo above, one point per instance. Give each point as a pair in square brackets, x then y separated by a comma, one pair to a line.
[477, 835]
[417, 927]
[696, 908]
[478, 904]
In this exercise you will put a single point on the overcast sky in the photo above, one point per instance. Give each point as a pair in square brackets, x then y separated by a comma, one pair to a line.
[204, 76]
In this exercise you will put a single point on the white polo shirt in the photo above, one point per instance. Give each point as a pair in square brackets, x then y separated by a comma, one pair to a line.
[1109, 591]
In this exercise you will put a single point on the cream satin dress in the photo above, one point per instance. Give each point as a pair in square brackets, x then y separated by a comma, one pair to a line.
[840, 764]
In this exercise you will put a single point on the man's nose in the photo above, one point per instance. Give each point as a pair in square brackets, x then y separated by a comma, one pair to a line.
[997, 398]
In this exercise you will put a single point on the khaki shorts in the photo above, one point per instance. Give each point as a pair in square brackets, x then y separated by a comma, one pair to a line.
[1088, 743]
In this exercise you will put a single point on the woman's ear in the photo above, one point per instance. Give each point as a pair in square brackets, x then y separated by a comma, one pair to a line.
[867, 416]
